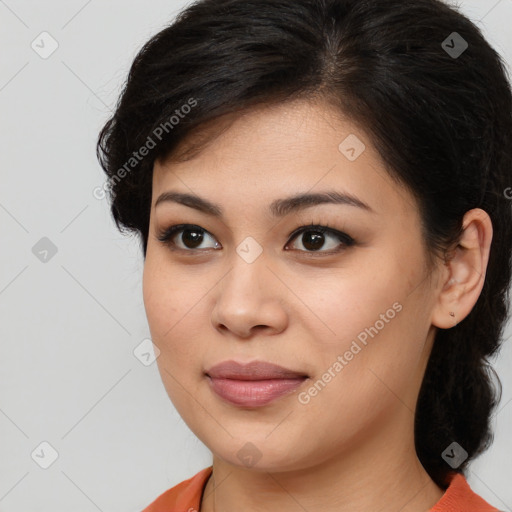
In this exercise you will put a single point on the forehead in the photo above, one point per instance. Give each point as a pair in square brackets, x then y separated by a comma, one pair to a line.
[292, 147]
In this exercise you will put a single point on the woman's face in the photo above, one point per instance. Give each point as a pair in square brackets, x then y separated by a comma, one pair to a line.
[355, 318]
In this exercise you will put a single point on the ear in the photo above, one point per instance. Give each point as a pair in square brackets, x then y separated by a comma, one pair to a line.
[464, 272]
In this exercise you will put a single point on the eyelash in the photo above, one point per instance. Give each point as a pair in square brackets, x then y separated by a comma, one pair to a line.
[166, 235]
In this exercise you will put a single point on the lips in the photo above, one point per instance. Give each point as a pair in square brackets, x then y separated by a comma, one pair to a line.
[254, 384]
[256, 370]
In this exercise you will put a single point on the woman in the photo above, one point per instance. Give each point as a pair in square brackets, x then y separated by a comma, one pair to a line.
[319, 188]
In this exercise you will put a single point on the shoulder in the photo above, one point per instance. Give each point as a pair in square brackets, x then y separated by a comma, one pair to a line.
[459, 497]
[183, 497]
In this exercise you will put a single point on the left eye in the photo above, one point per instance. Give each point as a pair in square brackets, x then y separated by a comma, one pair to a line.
[193, 236]
[313, 237]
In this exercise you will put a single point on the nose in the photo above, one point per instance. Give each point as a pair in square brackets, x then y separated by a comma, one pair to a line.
[250, 300]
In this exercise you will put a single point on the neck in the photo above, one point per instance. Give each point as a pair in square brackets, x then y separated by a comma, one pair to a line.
[383, 475]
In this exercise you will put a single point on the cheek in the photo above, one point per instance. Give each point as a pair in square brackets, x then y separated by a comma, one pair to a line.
[159, 308]
[169, 296]
[367, 326]
[175, 303]
[342, 304]
[169, 303]
[362, 385]
[167, 299]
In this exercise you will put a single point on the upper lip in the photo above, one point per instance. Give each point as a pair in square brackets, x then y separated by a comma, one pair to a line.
[255, 370]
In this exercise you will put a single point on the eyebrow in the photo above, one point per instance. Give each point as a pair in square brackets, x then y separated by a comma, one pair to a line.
[278, 208]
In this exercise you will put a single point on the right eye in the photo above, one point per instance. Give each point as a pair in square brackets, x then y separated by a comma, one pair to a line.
[191, 237]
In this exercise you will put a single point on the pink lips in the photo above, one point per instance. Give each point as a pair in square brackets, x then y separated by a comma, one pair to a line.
[252, 385]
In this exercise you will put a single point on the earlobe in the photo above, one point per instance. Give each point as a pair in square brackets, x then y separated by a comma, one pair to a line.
[465, 271]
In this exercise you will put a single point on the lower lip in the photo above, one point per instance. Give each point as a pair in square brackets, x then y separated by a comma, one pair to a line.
[253, 393]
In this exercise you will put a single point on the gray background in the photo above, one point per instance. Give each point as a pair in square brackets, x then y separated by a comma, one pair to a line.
[70, 324]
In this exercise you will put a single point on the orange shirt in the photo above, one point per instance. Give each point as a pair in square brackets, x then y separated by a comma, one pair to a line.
[186, 496]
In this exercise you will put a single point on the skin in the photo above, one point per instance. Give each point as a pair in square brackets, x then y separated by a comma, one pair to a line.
[351, 447]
